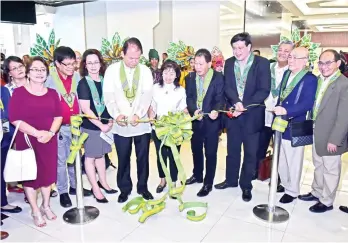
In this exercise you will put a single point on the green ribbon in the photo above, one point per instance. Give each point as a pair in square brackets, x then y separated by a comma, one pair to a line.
[241, 77]
[129, 92]
[202, 87]
[287, 89]
[279, 124]
[76, 144]
[98, 101]
[172, 130]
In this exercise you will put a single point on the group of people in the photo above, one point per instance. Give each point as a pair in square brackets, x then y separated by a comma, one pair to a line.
[40, 99]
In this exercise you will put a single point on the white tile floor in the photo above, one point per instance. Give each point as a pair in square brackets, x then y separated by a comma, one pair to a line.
[229, 219]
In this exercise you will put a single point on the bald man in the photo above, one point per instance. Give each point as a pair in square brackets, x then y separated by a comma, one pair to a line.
[297, 95]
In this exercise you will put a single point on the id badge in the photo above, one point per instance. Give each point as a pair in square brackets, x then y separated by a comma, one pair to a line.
[107, 137]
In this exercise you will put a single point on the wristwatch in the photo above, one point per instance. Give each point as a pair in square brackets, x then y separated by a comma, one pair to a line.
[52, 133]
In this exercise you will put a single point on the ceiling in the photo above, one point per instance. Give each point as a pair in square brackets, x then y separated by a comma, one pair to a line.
[271, 17]
[55, 3]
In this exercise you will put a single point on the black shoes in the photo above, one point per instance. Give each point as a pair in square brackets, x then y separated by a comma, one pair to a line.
[280, 188]
[86, 193]
[205, 190]
[123, 197]
[308, 197]
[13, 210]
[247, 195]
[320, 208]
[193, 180]
[224, 185]
[146, 195]
[160, 188]
[344, 209]
[287, 199]
[65, 201]
[111, 191]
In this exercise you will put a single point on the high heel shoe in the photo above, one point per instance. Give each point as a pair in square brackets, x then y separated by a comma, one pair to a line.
[48, 213]
[111, 191]
[103, 200]
[38, 219]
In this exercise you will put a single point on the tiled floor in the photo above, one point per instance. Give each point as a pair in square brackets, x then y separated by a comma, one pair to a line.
[229, 219]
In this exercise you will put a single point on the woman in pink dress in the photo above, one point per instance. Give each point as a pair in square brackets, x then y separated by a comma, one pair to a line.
[39, 110]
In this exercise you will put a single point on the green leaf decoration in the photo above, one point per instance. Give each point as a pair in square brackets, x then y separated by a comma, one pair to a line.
[296, 35]
[306, 38]
[51, 39]
[116, 39]
[283, 38]
[57, 44]
[41, 41]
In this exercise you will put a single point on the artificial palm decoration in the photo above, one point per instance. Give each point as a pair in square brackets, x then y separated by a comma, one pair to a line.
[180, 53]
[305, 41]
[111, 51]
[45, 49]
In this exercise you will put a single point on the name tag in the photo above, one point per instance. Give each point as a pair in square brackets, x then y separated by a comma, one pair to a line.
[107, 137]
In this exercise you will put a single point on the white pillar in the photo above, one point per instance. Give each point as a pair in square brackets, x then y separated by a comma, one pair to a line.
[286, 22]
[21, 34]
[95, 18]
[197, 23]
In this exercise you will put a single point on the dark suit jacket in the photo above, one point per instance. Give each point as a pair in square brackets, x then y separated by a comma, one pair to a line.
[298, 111]
[257, 89]
[213, 100]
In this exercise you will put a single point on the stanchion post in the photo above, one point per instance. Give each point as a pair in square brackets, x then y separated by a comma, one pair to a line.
[81, 214]
[270, 212]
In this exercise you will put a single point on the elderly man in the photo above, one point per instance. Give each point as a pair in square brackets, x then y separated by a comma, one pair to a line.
[247, 82]
[277, 71]
[128, 93]
[297, 94]
[330, 132]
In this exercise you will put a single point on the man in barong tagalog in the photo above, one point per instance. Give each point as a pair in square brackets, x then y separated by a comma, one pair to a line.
[204, 94]
[296, 98]
[247, 85]
[128, 94]
[64, 80]
[330, 132]
[277, 71]
[154, 60]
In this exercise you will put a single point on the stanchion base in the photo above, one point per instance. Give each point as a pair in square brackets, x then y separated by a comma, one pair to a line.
[279, 215]
[81, 216]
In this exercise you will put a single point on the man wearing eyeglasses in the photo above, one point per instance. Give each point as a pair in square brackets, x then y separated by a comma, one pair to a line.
[296, 98]
[64, 80]
[330, 132]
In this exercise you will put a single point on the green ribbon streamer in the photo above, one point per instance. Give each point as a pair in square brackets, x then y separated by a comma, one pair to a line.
[76, 144]
[172, 130]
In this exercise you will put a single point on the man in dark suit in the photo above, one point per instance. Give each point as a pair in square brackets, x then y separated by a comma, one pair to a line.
[247, 82]
[205, 94]
[296, 98]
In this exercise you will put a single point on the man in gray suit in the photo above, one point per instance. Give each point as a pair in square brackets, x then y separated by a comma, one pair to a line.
[330, 132]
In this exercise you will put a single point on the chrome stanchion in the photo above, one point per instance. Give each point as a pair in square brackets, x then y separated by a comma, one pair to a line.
[81, 214]
[270, 212]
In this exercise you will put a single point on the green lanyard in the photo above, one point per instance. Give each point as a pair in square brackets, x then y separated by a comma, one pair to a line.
[98, 101]
[202, 88]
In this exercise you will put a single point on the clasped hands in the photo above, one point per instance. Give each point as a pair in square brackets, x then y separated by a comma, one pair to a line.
[43, 136]
[213, 114]
[121, 120]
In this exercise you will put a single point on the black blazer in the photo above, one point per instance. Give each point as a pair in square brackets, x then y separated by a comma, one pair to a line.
[213, 100]
[257, 89]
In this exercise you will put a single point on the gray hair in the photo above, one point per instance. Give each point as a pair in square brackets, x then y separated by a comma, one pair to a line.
[287, 42]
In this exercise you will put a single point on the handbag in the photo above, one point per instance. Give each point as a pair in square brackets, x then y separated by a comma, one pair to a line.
[264, 172]
[20, 165]
[301, 133]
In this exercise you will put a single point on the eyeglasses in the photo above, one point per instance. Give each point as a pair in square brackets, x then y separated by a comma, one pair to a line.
[325, 64]
[35, 70]
[69, 64]
[92, 63]
[296, 58]
[16, 69]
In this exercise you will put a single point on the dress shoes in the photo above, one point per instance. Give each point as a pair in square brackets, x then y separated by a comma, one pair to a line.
[344, 209]
[224, 185]
[65, 201]
[286, 198]
[308, 197]
[160, 188]
[247, 195]
[4, 235]
[280, 189]
[12, 210]
[320, 208]
[86, 193]
[146, 195]
[111, 191]
[205, 191]
[193, 180]
[123, 197]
